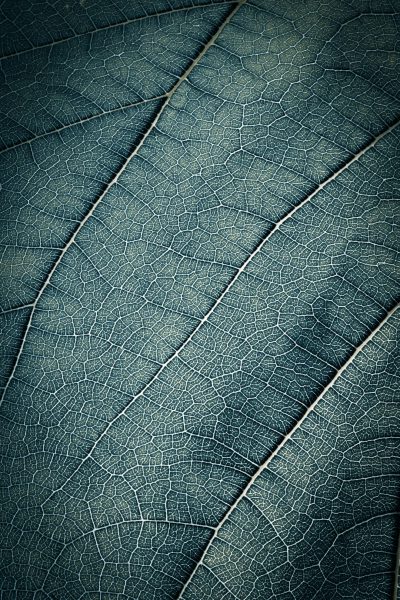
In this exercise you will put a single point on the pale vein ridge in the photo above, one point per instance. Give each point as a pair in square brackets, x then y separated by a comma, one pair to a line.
[396, 570]
[80, 122]
[112, 26]
[111, 183]
[225, 291]
[16, 308]
[264, 465]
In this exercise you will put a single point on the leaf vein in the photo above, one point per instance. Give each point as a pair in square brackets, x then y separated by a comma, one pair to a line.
[264, 465]
[111, 183]
[112, 26]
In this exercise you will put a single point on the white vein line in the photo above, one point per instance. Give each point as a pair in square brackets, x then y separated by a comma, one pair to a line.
[183, 78]
[15, 309]
[225, 292]
[80, 122]
[352, 528]
[117, 524]
[111, 183]
[288, 437]
[112, 26]
[396, 570]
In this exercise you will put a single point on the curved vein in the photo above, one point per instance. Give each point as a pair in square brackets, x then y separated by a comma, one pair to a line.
[396, 588]
[232, 282]
[112, 26]
[16, 308]
[111, 183]
[264, 465]
[80, 122]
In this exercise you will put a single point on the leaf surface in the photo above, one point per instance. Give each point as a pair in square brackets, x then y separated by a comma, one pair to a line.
[200, 326]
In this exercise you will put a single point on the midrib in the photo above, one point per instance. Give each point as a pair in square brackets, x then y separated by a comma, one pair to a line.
[264, 465]
[218, 301]
[111, 183]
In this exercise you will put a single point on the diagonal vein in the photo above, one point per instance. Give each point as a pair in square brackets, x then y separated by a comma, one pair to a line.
[80, 122]
[396, 585]
[264, 465]
[112, 26]
[16, 308]
[226, 290]
[240, 270]
[111, 183]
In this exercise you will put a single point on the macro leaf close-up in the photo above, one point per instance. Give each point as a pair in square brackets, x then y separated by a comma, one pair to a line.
[200, 287]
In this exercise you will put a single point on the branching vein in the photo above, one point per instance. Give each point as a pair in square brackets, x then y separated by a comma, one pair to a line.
[113, 181]
[264, 465]
[112, 26]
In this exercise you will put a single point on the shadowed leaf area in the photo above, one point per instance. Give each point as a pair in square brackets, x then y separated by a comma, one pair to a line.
[200, 281]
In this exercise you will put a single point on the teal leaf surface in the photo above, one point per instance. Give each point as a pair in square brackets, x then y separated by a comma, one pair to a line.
[200, 334]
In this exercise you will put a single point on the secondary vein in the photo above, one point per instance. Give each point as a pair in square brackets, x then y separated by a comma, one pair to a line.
[80, 122]
[240, 270]
[264, 465]
[218, 301]
[111, 183]
[112, 26]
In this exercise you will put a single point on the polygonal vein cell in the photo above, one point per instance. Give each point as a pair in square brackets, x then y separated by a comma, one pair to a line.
[234, 279]
[121, 23]
[110, 185]
[265, 464]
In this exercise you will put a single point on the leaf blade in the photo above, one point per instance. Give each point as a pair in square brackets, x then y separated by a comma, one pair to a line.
[283, 100]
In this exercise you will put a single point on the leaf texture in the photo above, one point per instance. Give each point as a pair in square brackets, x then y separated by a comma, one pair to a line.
[200, 324]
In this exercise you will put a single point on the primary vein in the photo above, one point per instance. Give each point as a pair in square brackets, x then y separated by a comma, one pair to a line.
[264, 465]
[111, 183]
[218, 301]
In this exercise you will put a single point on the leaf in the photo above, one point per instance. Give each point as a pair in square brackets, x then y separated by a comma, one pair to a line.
[200, 326]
